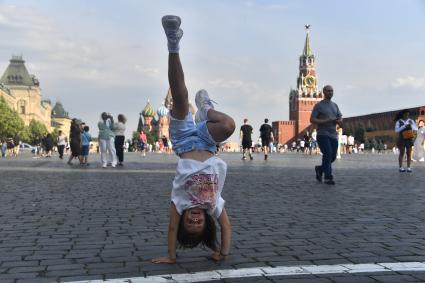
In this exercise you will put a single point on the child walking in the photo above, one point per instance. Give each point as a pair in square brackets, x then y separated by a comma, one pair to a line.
[85, 145]
[196, 201]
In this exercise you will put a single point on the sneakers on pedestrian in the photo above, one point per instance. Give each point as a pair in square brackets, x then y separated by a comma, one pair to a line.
[174, 33]
[329, 182]
[244, 158]
[401, 169]
[204, 103]
[250, 157]
[265, 157]
[319, 173]
[104, 165]
[409, 170]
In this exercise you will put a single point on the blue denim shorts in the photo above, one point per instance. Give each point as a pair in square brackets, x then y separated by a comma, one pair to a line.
[84, 150]
[187, 136]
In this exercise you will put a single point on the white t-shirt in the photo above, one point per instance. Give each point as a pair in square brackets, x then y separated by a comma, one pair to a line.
[62, 139]
[199, 184]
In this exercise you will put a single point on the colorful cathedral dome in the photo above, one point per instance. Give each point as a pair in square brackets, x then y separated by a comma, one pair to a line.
[148, 111]
[162, 111]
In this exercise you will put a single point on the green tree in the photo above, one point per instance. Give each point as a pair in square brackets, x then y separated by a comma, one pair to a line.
[10, 122]
[359, 134]
[374, 143]
[55, 135]
[36, 131]
[152, 136]
[366, 143]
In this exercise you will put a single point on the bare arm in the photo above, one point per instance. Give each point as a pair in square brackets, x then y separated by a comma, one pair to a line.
[226, 233]
[172, 237]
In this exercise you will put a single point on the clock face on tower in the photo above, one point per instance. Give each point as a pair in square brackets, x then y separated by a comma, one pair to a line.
[309, 81]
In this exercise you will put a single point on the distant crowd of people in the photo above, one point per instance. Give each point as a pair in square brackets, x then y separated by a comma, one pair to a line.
[10, 146]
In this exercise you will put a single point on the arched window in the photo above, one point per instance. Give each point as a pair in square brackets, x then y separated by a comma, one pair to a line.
[22, 106]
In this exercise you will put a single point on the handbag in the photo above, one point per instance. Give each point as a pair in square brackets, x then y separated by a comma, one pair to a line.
[408, 134]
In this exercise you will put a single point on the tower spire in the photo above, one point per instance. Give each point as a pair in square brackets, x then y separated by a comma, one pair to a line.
[307, 48]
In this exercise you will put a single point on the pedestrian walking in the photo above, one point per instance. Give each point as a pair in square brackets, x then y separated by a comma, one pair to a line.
[10, 145]
[165, 144]
[17, 142]
[326, 116]
[196, 195]
[61, 142]
[75, 141]
[406, 129]
[3, 145]
[106, 140]
[266, 135]
[119, 131]
[48, 145]
[419, 151]
[85, 145]
[143, 140]
[314, 144]
[246, 139]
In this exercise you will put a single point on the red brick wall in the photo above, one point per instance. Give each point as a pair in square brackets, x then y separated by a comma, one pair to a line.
[283, 131]
[305, 107]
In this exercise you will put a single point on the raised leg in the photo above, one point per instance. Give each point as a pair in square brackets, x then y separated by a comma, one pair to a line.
[178, 87]
[220, 126]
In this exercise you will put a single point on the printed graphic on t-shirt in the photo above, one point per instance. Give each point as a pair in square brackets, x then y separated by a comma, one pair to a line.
[202, 190]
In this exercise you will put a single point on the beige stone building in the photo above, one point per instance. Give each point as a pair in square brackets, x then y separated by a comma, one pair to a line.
[23, 94]
[60, 119]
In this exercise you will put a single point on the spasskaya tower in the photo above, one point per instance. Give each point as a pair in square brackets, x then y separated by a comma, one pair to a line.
[306, 95]
[302, 99]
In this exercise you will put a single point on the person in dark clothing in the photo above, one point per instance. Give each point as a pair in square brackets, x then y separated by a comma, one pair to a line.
[48, 145]
[166, 145]
[75, 141]
[246, 138]
[266, 135]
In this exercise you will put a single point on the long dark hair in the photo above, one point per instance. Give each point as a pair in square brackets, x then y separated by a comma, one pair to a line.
[206, 238]
[400, 114]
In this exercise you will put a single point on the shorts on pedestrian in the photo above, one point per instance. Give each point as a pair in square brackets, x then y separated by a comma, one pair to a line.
[404, 143]
[85, 150]
[186, 136]
[265, 141]
[246, 144]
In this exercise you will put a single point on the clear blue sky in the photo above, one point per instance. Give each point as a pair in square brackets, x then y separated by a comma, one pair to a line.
[99, 55]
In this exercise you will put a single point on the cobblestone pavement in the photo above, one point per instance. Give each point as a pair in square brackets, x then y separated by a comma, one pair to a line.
[63, 223]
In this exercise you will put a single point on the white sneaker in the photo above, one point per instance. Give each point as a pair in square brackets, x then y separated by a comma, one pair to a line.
[104, 165]
[401, 169]
[174, 33]
[422, 160]
[409, 170]
[204, 103]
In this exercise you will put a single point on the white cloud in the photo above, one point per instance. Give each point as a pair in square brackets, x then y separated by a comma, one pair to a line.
[69, 56]
[411, 82]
